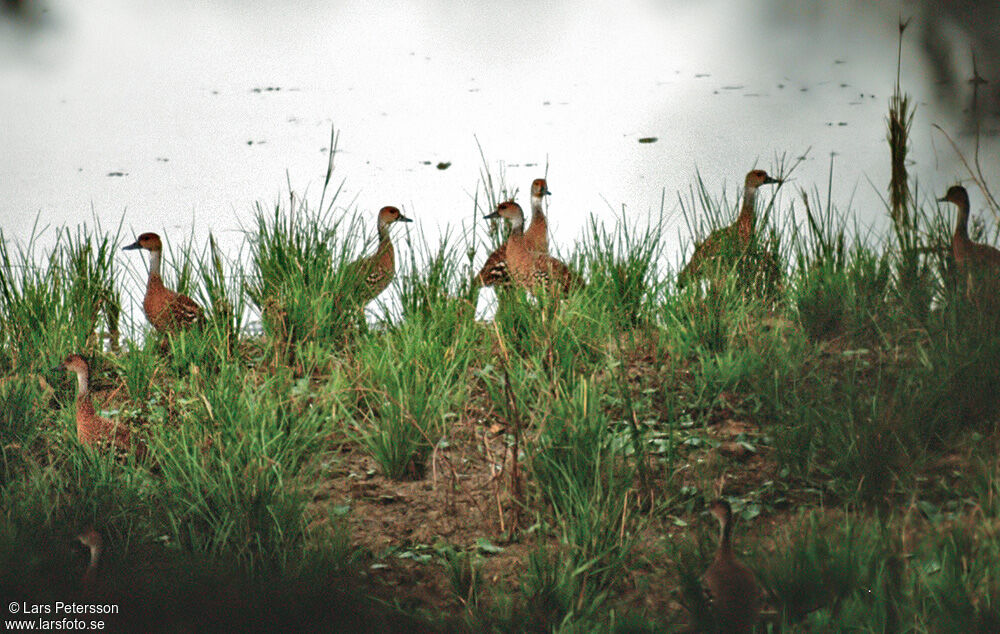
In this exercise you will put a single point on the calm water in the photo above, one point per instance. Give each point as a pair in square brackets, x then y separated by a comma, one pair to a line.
[178, 116]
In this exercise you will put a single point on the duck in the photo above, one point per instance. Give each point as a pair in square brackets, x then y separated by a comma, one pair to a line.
[739, 234]
[373, 273]
[93, 430]
[531, 269]
[536, 238]
[167, 310]
[972, 258]
[730, 586]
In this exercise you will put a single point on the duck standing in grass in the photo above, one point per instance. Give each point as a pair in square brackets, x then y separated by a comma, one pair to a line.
[93, 430]
[978, 263]
[531, 269]
[372, 273]
[167, 310]
[536, 238]
[729, 584]
[733, 239]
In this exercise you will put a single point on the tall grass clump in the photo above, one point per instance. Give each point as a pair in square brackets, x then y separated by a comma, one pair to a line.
[623, 268]
[707, 323]
[225, 301]
[959, 370]
[958, 577]
[413, 381]
[578, 467]
[845, 296]
[841, 282]
[433, 287]
[297, 280]
[62, 294]
[22, 407]
[232, 472]
[824, 575]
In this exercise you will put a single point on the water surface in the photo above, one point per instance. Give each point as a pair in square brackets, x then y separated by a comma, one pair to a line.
[178, 116]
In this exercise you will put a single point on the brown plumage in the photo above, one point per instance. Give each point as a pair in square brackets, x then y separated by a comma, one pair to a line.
[729, 585]
[536, 238]
[736, 236]
[167, 310]
[373, 273]
[93, 430]
[977, 262]
[531, 269]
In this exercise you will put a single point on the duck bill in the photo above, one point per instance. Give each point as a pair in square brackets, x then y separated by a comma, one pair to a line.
[493, 216]
[769, 180]
[403, 218]
[133, 246]
[943, 199]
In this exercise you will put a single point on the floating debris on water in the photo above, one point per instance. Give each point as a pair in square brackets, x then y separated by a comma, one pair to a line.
[648, 139]
[444, 165]
[267, 89]
[117, 173]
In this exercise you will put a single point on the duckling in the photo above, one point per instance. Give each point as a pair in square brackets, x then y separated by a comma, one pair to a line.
[95, 544]
[536, 238]
[167, 310]
[374, 272]
[730, 585]
[529, 268]
[972, 258]
[91, 429]
[738, 234]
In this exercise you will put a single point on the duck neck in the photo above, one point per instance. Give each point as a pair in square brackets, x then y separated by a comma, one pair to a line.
[154, 263]
[516, 236]
[726, 537]
[90, 575]
[84, 406]
[537, 211]
[82, 384]
[747, 217]
[383, 237]
[962, 223]
[95, 557]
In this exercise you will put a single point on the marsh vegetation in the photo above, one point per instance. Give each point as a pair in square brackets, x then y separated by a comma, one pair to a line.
[544, 471]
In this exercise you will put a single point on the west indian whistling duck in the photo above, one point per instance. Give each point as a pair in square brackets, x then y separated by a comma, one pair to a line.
[737, 235]
[974, 260]
[729, 584]
[531, 269]
[91, 429]
[536, 238]
[167, 310]
[374, 272]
